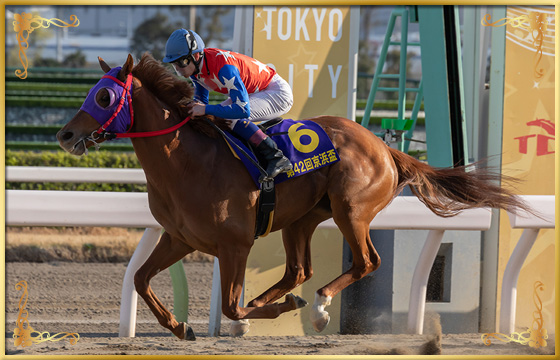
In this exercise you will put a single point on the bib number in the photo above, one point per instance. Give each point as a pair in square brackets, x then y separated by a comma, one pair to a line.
[296, 135]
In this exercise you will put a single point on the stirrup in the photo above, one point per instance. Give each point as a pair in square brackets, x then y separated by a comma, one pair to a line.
[278, 169]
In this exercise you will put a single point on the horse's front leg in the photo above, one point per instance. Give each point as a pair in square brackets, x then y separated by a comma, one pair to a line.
[233, 260]
[167, 252]
[297, 243]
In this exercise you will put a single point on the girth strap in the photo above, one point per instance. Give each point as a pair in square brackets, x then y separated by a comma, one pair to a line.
[265, 209]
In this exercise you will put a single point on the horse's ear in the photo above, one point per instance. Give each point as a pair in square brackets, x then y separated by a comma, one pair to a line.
[103, 64]
[126, 68]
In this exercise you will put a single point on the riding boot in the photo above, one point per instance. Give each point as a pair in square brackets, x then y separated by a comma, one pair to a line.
[276, 161]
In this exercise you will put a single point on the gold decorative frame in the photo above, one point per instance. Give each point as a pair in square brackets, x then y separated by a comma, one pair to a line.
[24, 334]
[24, 24]
[535, 336]
[537, 26]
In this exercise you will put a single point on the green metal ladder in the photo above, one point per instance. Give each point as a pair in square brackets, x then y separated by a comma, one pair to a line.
[394, 128]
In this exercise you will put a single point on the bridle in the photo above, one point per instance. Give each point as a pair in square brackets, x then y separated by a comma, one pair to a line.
[102, 133]
[126, 94]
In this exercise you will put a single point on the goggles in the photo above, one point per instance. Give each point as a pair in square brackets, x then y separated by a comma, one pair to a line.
[183, 62]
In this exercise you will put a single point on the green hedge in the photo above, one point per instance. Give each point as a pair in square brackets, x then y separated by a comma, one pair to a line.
[42, 146]
[97, 159]
[58, 94]
[50, 102]
[77, 187]
[33, 129]
[27, 86]
[386, 104]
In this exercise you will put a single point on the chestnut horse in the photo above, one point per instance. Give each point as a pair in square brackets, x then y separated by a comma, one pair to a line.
[206, 200]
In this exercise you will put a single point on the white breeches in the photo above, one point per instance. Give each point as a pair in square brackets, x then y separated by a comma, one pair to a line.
[273, 101]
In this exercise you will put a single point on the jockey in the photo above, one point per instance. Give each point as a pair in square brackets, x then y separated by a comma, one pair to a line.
[256, 92]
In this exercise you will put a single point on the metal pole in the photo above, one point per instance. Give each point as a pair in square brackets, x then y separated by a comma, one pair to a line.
[192, 17]
[379, 69]
[59, 56]
[402, 64]
[414, 116]
[180, 291]
[511, 275]
[129, 298]
[215, 302]
[489, 266]
[417, 302]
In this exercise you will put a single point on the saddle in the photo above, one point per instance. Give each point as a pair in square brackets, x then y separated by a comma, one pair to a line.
[305, 143]
[265, 125]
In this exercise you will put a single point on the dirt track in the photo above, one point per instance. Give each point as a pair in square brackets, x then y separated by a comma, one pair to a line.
[85, 298]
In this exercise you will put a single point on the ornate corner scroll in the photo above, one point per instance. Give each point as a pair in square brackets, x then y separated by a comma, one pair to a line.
[25, 335]
[25, 24]
[535, 23]
[535, 336]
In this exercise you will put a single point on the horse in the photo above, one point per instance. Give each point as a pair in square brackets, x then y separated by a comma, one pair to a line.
[205, 199]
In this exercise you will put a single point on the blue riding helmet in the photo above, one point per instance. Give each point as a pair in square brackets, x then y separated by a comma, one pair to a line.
[182, 43]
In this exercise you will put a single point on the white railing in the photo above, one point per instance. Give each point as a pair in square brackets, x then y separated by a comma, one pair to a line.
[74, 175]
[544, 206]
[78, 208]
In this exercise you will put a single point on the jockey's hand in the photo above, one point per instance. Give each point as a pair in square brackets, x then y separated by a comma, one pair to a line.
[196, 108]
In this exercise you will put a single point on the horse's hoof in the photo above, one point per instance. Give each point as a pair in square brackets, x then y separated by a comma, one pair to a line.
[298, 301]
[188, 332]
[239, 328]
[320, 322]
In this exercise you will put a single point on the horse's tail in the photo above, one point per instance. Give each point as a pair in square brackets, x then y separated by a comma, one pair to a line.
[447, 191]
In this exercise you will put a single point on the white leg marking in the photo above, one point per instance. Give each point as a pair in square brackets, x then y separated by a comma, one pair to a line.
[239, 328]
[318, 316]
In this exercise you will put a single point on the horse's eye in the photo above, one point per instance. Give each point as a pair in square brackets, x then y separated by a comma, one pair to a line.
[105, 97]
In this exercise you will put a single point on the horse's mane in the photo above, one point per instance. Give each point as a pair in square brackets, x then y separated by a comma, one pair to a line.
[170, 89]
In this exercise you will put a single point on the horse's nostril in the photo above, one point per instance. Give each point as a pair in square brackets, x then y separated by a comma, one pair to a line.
[67, 135]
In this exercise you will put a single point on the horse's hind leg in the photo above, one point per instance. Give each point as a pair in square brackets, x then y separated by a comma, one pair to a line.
[365, 260]
[353, 219]
[360, 185]
[167, 252]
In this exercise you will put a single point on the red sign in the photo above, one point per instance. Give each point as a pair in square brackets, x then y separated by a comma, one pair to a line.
[542, 141]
